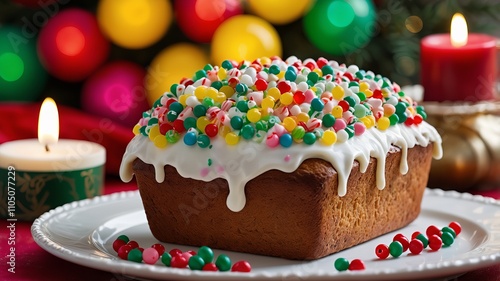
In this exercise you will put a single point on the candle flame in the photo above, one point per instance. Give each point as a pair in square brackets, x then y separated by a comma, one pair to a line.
[459, 31]
[48, 123]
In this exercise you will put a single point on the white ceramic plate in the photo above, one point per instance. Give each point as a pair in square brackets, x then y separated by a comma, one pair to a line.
[83, 232]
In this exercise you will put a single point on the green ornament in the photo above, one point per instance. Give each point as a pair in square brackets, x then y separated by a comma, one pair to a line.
[206, 254]
[196, 262]
[340, 27]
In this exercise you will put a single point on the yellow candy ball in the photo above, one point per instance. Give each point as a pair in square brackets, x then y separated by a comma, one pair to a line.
[286, 98]
[201, 123]
[134, 24]
[302, 117]
[337, 111]
[253, 115]
[200, 92]
[220, 97]
[329, 137]
[232, 138]
[170, 66]
[227, 90]
[338, 92]
[160, 141]
[363, 86]
[224, 130]
[279, 11]
[182, 99]
[289, 123]
[383, 123]
[136, 129]
[267, 102]
[244, 37]
[368, 93]
[274, 92]
[154, 131]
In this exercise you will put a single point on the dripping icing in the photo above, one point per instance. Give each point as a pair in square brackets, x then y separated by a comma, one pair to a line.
[242, 162]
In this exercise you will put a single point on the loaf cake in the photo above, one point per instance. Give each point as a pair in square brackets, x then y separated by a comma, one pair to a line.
[287, 158]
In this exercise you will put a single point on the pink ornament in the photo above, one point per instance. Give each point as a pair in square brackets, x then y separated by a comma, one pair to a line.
[359, 129]
[71, 45]
[116, 92]
[339, 125]
[272, 140]
[199, 19]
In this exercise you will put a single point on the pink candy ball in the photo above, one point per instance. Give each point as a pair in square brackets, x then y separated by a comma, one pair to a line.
[116, 91]
[150, 255]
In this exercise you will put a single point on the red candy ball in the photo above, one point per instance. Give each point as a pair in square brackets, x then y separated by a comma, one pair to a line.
[211, 130]
[433, 230]
[159, 248]
[416, 246]
[123, 251]
[210, 267]
[382, 251]
[117, 244]
[175, 252]
[403, 240]
[241, 266]
[456, 227]
[356, 264]
[178, 261]
[415, 234]
[435, 242]
[133, 244]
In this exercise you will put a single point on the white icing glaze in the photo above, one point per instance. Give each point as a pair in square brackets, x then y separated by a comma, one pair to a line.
[240, 163]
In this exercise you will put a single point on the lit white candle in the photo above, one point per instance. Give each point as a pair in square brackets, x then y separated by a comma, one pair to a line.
[47, 172]
[48, 153]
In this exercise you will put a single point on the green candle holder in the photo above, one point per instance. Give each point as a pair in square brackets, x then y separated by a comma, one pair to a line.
[27, 195]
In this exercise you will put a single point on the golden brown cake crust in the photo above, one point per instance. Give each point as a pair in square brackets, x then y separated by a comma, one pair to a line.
[290, 215]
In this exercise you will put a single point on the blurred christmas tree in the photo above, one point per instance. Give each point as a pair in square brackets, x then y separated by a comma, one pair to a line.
[393, 51]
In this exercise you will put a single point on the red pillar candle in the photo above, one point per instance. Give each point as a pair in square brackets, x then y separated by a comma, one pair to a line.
[458, 73]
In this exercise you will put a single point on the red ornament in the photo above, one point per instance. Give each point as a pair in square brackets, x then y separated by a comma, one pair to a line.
[71, 45]
[211, 130]
[198, 19]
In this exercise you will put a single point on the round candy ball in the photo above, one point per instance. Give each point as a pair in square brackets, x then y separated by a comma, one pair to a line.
[22, 77]
[172, 64]
[134, 24]
[279, 11]
[116, 91]
[245, 37]
[198, 19]
[340, 27]
[71, 45]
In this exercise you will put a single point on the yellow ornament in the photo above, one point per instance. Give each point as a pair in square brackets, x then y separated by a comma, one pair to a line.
[170, 66]
[279, 11]
[134, 24]
[244, 37]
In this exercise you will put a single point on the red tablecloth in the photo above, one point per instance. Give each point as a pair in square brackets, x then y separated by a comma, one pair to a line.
[32, 262]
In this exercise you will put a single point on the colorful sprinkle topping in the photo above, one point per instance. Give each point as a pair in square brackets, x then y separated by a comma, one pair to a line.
[278, 103]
